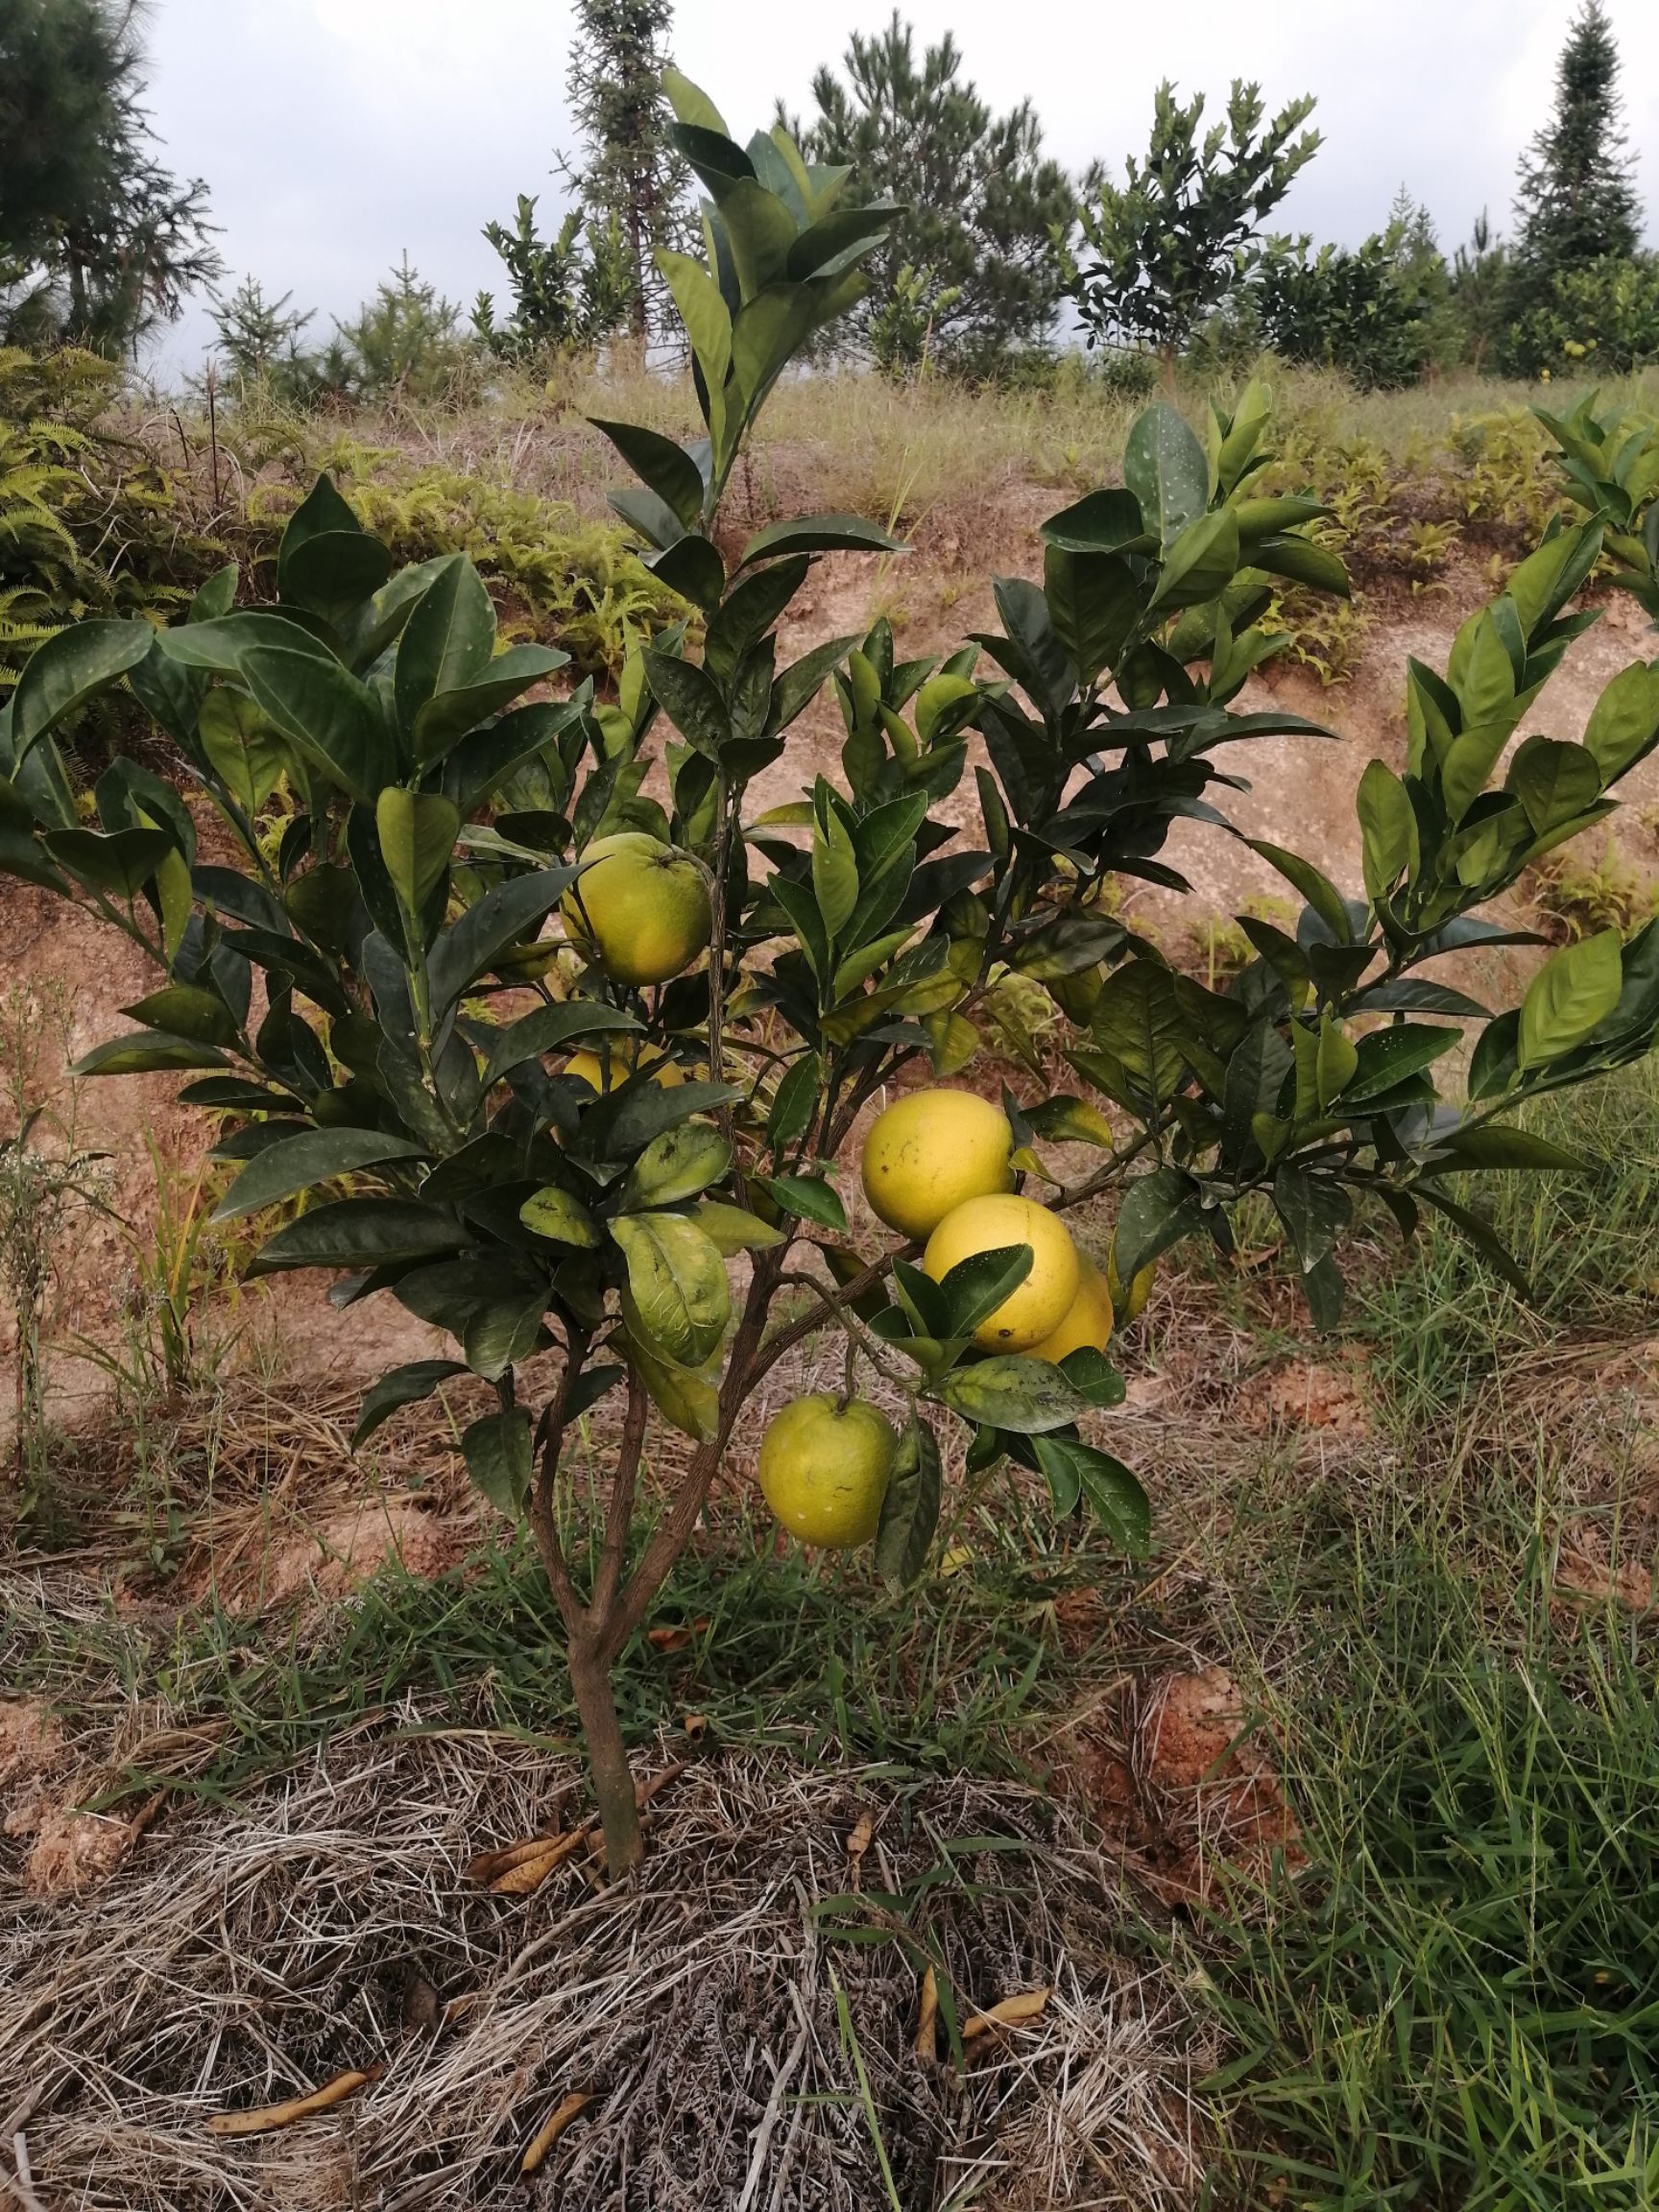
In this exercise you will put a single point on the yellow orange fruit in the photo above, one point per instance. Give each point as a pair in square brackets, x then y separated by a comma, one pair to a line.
[609, 1070]
[932, 1151]
[1087, 1320]
[639, 908]
[824, 1468]
[1036, 1307]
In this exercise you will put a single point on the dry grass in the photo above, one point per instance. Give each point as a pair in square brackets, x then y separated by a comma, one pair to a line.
[232, 1965]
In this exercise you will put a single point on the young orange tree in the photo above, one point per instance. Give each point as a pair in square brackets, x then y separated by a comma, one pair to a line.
[562, 1043]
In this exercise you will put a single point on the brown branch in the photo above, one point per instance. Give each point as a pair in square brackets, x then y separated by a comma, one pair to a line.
[619, 1506]
[544, 1523]
[673, 1533]
[836, 1309]
[773, 1350]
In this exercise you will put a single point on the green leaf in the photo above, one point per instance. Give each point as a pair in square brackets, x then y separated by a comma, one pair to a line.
[818, 534]
[1388, 830]
[1114, 1497]
[691, 701]
[793, 1103]
[677, 1297]
[1624, 722]
[186, 1010]
[448, 640]
[707, 323]
[624, 1122]
[691, 103]
[315, 1156]
[550, 1030]
[501, 1332]
[1479, 1234]
[1200, 562]
[320, 707]
[834, 871]
[664, 466]
[1093, 602]
[910, 1508]
[361, 1233]
[1570, 994]
[1166, 470]
[1320, 892]
[1553, 782]
[677, 1165]
[1158, 1211]
[1388, 1056]
[1093, 1375]
[563, 1219]
[682, 1395]
[808, 1197]
[417, 832]
[451, 715]
[63, 674]
[1027, 1397]
[801, 683]
[1301, 561]
[144, 1054]
[497, 1452]
[1494, 1144]
[242, 743]
[469, 948]
[122, 862]
[975, 1286]
[406, 1385]
[1103, 522]
[1314, 1211]
[334, 572]
[734, 1229]
[1336, 1061]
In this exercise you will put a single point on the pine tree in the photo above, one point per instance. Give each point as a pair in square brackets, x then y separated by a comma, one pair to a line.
[98, 241]
[971, 269]
[632, 181]
[1577, 200]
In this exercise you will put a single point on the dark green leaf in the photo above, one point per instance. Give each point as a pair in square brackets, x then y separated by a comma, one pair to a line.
[316, 1156]
[808, 1197]
[975, 1286]
[910, 1508]
[359, 1233]
[402, 1386]
[498, 1452]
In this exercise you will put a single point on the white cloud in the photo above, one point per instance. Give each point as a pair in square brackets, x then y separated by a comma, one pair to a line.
[337, 132]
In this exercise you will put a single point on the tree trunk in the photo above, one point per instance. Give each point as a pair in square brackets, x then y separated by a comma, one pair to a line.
[607, 1760]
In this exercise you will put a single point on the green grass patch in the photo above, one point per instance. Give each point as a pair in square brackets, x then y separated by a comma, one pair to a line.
[779, 1650]
[1454, 2003]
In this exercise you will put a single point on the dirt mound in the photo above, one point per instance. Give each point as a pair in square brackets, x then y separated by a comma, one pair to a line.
[1191, 1796]
[709, 2007]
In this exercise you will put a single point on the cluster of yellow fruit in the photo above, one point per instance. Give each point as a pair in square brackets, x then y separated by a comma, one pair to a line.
[937, 1165]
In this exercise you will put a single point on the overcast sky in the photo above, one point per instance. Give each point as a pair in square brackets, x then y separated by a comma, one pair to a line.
[333, 133]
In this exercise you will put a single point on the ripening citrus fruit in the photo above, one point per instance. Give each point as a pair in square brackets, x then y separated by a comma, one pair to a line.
[641, 909]
[825, 1469]
[1130, 1304]
[611, 1068]
[1038, 1305]
[928, 1153]
[1087, 1320]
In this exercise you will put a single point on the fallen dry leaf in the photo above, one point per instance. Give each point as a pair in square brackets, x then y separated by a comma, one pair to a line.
[269, 2116]
[489, 1865]
[644, 1792]
[675, 1639]
[1011, 2012]
[858, 1841]
[529, 1873]
[695, 1725]
[564, 2113]
[926, 2019]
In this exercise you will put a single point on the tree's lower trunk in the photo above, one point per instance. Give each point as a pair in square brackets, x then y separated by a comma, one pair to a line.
[607, 1761]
